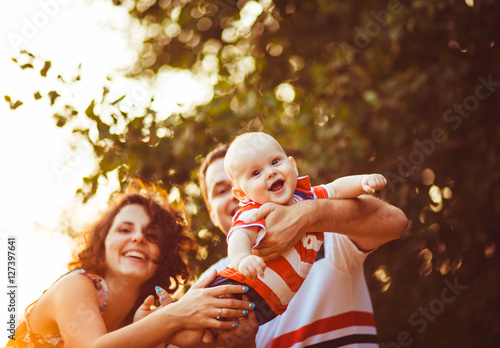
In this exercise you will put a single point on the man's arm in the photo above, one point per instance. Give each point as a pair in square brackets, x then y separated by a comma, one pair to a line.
[369, 222]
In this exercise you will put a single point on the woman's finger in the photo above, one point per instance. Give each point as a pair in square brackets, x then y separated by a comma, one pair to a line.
[165, 298]
[221, 324]
[220, 290]
[232, 304]
[251, 315]
[205, 281]
[233, 313]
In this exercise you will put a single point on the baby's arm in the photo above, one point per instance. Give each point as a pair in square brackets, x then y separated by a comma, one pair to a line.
[355, 185]
[239, 250]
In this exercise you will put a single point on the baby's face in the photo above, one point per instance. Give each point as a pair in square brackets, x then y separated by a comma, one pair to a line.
[263, 172]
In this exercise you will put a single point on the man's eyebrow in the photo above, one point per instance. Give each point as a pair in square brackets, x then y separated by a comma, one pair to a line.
[220, 183]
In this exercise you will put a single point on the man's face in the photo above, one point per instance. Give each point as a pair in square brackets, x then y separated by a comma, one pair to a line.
[223, 205]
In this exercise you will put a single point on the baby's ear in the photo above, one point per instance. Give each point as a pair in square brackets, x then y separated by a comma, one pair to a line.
[240, 195]
[294, 164]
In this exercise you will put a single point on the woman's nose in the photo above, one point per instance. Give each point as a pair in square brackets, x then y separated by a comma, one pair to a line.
[138, 236]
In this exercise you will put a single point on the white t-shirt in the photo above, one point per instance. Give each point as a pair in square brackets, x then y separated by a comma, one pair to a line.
[332, 306]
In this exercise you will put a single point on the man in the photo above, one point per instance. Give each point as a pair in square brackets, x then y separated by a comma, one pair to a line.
[333, 307]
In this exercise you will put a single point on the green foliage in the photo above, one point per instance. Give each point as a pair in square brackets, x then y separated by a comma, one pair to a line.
[398, 87]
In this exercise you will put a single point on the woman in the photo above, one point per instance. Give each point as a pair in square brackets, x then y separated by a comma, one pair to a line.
[134, 246]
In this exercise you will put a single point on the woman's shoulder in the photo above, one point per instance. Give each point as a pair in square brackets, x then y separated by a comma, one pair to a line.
[97, 281]
[74, 284]
[70, 284]
[79, 281]
[77, 277]
[40, 316]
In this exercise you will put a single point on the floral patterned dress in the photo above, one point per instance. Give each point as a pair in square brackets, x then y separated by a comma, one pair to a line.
[25, 338]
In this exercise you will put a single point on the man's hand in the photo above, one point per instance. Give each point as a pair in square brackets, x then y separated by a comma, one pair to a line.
[251, 266]
[284, 228]
[373, 182]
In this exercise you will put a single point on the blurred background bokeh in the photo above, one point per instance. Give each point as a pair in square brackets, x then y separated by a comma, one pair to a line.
[409, 89]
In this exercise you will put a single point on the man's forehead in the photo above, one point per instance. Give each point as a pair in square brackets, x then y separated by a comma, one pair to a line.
[215, 175]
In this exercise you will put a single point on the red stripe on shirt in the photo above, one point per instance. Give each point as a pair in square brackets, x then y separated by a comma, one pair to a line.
[320, 192]
[267, 294]
[306, 254]
[284, 269]
[336, 322]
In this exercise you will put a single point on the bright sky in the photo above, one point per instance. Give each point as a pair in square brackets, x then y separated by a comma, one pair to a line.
[35, 193]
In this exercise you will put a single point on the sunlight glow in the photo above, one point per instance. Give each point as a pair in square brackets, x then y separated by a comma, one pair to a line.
[285, 92]
[381, 274]
[428, 177]
[47, 162]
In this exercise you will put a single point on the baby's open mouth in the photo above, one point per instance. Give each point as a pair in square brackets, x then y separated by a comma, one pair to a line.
[277, 185]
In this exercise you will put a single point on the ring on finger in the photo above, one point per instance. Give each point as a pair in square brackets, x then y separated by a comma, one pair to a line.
[219, 313]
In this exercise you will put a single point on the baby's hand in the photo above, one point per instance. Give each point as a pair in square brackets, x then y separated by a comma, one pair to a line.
[252, 265]
[373, 182]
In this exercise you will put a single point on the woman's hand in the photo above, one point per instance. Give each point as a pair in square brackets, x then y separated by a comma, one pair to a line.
[241, 336]
[145, 309]
[200, 308]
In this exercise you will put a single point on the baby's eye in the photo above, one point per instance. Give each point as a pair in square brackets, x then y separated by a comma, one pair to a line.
[275, 161]
[255, 172]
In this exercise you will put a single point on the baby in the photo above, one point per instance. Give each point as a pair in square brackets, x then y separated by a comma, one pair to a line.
[262, 172]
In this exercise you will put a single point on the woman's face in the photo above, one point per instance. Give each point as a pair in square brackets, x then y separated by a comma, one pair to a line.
[128, 253]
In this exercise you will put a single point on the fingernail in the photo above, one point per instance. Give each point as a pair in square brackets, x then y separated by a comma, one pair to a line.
[252, 305]
[158, 289]
[235, 325]
[162, 299]
[245, 288]
[245, 312]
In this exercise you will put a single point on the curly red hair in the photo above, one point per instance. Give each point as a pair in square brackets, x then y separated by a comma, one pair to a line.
[167, 229]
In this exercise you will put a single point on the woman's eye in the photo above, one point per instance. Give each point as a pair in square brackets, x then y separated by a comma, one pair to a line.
[124, 230]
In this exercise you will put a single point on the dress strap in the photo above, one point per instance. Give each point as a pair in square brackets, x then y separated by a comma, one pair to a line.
[99, 284]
